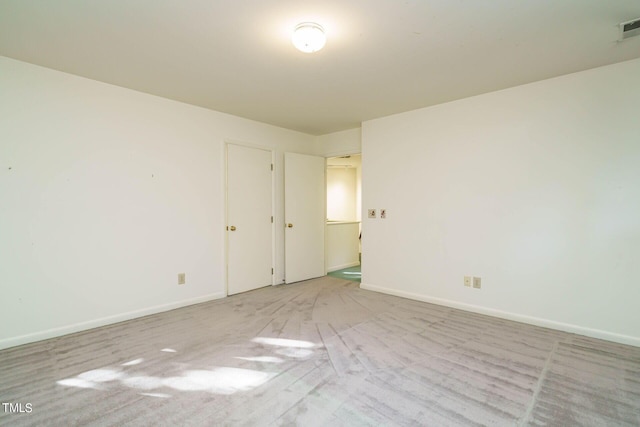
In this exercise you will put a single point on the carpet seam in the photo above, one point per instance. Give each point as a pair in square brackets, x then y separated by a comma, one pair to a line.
[538, 387]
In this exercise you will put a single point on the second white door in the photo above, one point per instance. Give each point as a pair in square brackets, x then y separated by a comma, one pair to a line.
[304, 199]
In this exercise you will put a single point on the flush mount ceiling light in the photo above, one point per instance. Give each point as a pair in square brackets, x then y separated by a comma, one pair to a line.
[308, 37]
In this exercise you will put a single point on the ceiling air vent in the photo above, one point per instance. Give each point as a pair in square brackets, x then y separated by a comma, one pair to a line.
[629, 29]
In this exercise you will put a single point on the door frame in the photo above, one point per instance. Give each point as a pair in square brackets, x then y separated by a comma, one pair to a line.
[225, 172]
[327, 156]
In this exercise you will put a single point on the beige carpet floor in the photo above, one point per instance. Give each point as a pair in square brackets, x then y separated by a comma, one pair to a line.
[321, 352]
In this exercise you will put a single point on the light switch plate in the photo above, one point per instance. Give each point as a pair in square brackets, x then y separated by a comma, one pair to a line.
[372, 213]
[477, 283]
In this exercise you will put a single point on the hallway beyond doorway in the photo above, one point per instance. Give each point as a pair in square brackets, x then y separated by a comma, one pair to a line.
[352, 273]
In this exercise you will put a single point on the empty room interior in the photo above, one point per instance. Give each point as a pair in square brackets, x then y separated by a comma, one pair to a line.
[363, 212]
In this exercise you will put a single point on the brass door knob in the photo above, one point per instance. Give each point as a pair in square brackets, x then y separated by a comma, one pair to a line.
[232, 228]
[290, 225]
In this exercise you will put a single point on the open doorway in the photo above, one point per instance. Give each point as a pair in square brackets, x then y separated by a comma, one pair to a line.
[344, 210]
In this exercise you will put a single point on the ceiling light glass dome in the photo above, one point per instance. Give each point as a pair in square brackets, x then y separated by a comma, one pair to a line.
[309, 37]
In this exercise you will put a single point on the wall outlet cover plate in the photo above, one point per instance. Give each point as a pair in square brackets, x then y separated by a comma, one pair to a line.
[372, 213]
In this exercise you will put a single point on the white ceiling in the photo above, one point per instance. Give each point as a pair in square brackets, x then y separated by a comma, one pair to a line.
[382, 56]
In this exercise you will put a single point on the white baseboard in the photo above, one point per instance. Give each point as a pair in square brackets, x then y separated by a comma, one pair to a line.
[537, 321]
[95, 323]
[340, 267]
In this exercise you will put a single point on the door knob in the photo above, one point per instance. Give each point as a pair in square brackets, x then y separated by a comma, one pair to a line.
[290, 225]
[232, 228]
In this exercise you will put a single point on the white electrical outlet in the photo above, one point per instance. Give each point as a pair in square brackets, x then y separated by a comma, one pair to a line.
[182, 279]
[383, 213]
[477, 282]
[467, 281]
[372, 213]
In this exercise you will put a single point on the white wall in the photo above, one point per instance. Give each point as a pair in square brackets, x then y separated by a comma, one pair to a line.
[338, 143]
[106, 194]
[342, 194]
[536, 189]
[342, 245]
